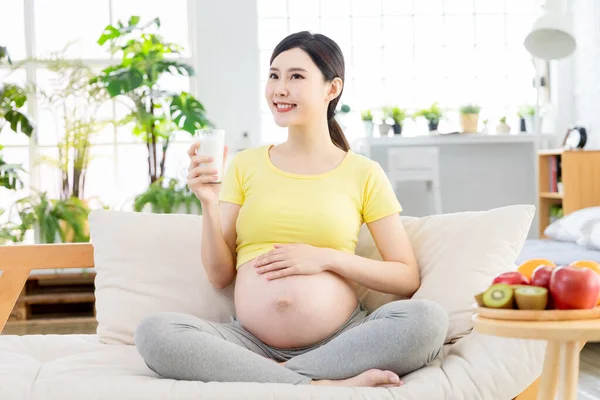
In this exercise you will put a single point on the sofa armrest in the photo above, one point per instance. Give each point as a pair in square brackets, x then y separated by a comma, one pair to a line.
[494, 367]
[16, 263]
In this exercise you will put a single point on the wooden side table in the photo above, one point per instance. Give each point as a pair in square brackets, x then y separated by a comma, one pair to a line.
[565, 340]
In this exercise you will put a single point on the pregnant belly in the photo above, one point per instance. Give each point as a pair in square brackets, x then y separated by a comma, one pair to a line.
[293, 311]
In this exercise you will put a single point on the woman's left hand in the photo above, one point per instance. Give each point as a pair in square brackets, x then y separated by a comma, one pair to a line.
[292, 259]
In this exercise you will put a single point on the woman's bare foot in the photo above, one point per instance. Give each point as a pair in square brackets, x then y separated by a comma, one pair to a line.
[370, 378]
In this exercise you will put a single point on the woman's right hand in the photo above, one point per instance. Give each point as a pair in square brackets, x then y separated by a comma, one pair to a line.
[201, 176]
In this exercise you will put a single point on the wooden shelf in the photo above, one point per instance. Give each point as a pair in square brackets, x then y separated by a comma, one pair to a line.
[58, 298]
[55, 296]
[551, 195]
[579, 170]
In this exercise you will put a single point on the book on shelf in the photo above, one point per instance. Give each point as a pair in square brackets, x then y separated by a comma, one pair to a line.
[555, 173]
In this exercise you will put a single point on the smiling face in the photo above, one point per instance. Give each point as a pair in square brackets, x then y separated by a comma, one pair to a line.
[296, 90]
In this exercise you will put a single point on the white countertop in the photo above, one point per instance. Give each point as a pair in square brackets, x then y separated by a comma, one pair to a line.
[459, 138]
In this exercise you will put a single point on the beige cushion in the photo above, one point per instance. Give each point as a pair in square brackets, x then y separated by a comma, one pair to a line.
[458, 255]
[146, 263]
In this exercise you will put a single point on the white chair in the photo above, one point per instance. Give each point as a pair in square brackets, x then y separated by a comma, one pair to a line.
[416, 164]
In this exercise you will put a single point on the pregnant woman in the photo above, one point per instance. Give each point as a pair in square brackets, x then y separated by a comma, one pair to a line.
[284, 225]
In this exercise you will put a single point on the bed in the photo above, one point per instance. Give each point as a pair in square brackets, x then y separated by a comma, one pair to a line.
[561, 253]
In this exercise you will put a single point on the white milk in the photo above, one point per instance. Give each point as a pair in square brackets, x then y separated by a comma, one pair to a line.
[212, 144]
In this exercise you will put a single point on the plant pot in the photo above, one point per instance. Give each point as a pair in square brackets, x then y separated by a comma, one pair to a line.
[529, 124]
[502, 129]
[469, 122]
[522, 127]
[368, 125]
[397, 128]
[384, 129]
[433, 126]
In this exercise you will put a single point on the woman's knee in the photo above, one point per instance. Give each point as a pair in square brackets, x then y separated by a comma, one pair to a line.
[152, 332]
[428, 320]
[433, 322]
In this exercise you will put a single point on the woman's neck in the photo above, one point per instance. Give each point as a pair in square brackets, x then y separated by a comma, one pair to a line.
[310, 139]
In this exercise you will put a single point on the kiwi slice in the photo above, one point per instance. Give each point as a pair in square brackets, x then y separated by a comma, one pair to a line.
[479, 299]
[515, 287]
[531, 298]
[499, 295]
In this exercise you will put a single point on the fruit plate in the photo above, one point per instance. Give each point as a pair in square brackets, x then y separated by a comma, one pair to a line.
[536, 315]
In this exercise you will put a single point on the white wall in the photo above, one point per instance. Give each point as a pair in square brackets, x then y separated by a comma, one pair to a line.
[225, 42]
[586, 67]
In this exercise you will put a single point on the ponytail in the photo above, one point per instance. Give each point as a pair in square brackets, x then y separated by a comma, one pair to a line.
[335, 130]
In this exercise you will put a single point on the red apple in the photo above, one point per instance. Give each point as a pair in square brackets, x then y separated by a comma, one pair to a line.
[574, 287]
[511, 278]
[541, 276]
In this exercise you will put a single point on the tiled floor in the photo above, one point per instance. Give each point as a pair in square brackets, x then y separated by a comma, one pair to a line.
[589, 377]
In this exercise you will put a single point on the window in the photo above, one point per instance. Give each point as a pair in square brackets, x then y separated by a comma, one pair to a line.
[411, 53]
[118, 169]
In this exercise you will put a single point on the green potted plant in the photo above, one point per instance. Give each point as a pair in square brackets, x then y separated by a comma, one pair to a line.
[167, 199]
[12, 98]
[367, 118]
[469, 118]
[433, 115]
[527, 113]
[502, 128]
[77, 101]
[398, 115]
[52, 220]
[156, 113]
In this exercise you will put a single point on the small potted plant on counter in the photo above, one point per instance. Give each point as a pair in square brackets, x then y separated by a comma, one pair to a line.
[469, 118]
[398, 115]
[367, 118]
[502, 128]
[526, 113]
[433, 115]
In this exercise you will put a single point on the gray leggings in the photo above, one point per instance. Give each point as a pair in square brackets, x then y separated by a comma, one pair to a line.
[400, 336]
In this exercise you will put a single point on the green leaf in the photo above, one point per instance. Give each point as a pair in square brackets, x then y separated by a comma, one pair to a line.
[4, 54]
[19, 122]
[188, 113]
[133, 20]
[12, 96]
[122, 80]
[110, 32]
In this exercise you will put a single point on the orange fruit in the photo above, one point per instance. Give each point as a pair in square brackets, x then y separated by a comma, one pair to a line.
[527, 267]
[587, 264]
[593, 265]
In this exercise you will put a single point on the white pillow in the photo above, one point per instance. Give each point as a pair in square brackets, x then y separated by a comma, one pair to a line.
[569, 228]
[590, 235]
[458, 255]
[147, 263]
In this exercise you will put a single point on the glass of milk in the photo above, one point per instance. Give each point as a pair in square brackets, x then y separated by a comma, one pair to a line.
[212, 144]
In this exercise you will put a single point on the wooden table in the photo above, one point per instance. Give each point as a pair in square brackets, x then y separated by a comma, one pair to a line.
[565, 340]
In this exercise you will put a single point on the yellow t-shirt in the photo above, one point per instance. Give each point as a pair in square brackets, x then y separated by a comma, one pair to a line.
[325, 210]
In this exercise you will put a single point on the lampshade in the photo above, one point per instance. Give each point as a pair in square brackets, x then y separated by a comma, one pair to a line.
[551, 36]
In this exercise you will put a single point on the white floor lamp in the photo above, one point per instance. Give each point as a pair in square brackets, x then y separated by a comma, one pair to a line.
[550, 38]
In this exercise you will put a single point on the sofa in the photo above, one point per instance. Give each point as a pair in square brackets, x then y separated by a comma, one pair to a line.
[148, 263]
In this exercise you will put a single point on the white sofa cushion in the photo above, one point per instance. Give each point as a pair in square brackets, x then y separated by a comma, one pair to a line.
[146, 263]
[75, 367]
[458, 255]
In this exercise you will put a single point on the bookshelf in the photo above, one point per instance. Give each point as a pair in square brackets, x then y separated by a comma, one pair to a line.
[579, 173]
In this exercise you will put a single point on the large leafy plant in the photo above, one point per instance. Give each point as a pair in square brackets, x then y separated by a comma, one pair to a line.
[168, 198]
[12, 98]
[156, 113]
[62, 220]
[77, 101]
